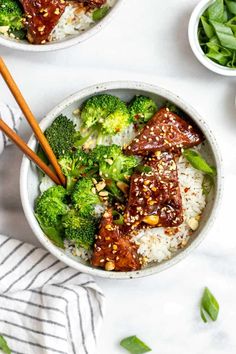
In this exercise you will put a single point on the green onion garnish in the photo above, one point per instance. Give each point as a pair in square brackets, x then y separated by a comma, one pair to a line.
[4, 346]
[134, 345]
[207, 184]
[143, 169]
[198, 162]
[100, 13]
[209, 306]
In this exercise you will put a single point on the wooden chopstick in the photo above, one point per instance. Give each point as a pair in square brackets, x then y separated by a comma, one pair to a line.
[27, 151]
[31, 119]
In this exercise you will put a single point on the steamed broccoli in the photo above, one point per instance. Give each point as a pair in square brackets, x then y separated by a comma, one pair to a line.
[141, 109]
[11, 14]
[76, 164]
[113, 164]
[49, 209]
[84, 197]
[114, 167]
[61, 135]
[79, 230]
[106, 113]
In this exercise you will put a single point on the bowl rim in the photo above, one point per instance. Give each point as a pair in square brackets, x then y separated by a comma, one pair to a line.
[66, 43]
[82, 94]
[194, 42]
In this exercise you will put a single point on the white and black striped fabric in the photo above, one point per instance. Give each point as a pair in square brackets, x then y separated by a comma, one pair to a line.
[46, 306]
[12, 117]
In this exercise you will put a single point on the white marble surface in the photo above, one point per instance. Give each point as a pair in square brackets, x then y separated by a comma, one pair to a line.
[147, 41]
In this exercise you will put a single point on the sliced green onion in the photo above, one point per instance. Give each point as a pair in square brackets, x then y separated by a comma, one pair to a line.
[209, 306]
[100, 13]
[198, 162]
[4, 346]
[118, 218]
[216, 11]
[134, 345]
[207, 184]
[143, 169]
[207, 27]
[225, 35]
[231, 6]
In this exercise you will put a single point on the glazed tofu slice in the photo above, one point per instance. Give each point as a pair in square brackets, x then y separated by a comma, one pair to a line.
[92, 3]
[154, 197]
[164, 132]
[41, 16]
[113, 250]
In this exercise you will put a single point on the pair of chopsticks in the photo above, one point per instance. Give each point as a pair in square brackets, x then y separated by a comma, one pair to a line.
[58, 176]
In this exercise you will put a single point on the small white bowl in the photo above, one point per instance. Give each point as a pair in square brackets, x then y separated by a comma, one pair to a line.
[69, 41]
[29, 177]
[194, 42]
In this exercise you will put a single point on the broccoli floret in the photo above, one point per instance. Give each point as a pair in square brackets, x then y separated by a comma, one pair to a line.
[11, 14]
[107, 113]
[141, 109]
[49, 209]
[76, 164]
[84, 197]
[79, 230]
[113, 164]
[114, 167]
[61, 135]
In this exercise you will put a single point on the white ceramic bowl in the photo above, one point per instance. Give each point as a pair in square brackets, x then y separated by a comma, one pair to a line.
[24, 45]
[194, 42]
[29, 179]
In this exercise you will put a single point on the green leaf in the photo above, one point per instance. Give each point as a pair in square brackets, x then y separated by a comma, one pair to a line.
[100, 13]
[216, 11]
[118, 218]
[232, 24]
[207, 184]
[52, 233]
[231, 5]
[4, 346]
[203, 316]
[198, 162]
[209, 31]
[134, 345]
[143, 169]
[209, 305]
[225, 35]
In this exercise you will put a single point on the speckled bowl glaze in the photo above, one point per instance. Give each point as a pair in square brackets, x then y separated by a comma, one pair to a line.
[70, 41]
[29, 179]
[194, 42]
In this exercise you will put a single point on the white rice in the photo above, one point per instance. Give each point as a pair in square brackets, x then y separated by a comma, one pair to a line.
[74, 22]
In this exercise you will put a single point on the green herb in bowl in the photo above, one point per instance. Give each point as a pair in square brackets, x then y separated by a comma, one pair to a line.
[217, 32]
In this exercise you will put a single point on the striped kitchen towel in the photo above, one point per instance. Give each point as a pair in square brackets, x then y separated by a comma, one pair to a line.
[12, 117]
[46, 307]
